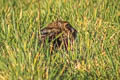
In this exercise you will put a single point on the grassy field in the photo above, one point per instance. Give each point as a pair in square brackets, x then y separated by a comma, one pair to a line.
[96, 53]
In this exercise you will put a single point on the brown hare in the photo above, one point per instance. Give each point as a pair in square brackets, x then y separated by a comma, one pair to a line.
[59, 34]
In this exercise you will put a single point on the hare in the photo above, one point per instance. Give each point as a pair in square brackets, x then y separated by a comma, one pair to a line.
[59, 34]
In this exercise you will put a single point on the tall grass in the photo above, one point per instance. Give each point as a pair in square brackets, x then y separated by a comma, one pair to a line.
[96, 53]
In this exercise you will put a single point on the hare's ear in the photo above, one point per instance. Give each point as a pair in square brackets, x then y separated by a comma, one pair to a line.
[70, 28]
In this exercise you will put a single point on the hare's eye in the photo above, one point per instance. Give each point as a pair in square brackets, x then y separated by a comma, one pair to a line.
[59, 24]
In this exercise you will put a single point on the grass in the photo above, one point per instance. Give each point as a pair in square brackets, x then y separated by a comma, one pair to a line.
[96, 52]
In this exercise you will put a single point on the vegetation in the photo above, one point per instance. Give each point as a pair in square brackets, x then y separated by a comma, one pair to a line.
[96, 53]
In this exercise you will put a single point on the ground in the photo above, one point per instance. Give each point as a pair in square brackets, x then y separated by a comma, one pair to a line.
[96, 53]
